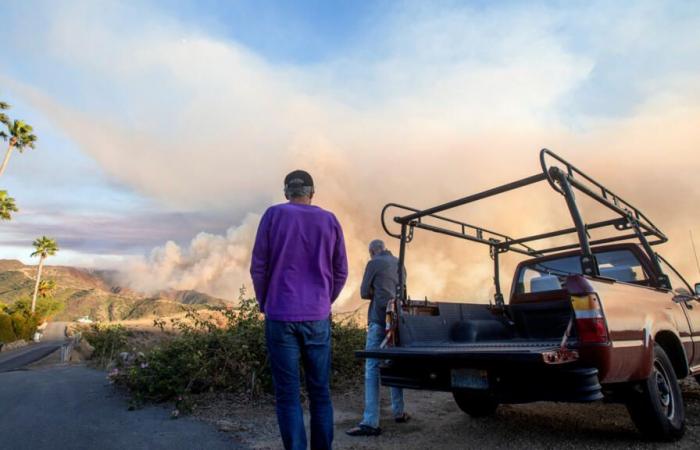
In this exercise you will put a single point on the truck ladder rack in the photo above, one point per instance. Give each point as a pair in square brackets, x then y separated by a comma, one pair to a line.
[629, 222]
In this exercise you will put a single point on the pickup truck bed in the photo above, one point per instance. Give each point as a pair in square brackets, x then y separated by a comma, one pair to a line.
[449, 346]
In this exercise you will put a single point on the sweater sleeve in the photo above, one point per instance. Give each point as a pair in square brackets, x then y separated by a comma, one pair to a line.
[260, 261]
[340, 262]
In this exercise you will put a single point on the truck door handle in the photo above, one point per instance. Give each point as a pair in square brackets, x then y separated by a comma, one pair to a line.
[682, 298]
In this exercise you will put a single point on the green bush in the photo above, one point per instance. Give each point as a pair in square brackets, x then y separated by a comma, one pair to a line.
[45, 308]
[7, 332]
[207, 357]
[108, 342]
[24, 325]
[347, 338]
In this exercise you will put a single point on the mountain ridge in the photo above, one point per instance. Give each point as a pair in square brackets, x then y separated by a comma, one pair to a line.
[93, 293]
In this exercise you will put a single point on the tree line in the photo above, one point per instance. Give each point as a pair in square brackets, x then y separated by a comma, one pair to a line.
[20, 136]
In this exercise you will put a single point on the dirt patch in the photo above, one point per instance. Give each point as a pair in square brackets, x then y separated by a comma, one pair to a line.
[438, 423]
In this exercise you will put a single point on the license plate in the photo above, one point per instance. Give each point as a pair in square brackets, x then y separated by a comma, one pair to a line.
[470, 379]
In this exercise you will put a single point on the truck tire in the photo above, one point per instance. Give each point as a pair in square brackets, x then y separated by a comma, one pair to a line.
[476, 404]
[656, 405]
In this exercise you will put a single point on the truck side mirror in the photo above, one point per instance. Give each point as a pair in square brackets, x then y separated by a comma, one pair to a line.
[697, 288]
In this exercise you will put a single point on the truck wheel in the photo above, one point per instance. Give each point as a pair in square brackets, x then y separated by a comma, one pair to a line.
[476, 404]
[656, 405]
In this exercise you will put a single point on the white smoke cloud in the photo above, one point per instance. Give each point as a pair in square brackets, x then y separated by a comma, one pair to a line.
[211, 263]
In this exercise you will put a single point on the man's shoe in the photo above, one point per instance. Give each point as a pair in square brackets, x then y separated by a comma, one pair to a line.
[364, 430]
[403, 418]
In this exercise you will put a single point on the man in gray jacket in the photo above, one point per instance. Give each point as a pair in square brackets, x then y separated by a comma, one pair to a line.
[379, 286]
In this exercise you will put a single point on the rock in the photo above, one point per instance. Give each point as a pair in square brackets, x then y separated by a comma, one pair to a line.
[82, 352]
[229, 426]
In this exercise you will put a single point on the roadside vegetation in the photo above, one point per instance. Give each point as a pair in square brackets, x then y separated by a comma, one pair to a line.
[220, 352]
[17, 321]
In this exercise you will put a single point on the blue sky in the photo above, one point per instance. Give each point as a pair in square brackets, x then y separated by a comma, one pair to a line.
[161, 119]
[295, 32]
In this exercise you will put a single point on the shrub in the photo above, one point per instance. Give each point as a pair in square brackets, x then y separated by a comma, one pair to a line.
[206, 356]
[347, 338]
[45, 308]
[108, 342]
[7, 332]
[24, 325]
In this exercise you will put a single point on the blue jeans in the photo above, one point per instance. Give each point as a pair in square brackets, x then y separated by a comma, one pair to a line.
[375, 336]
[287, 342]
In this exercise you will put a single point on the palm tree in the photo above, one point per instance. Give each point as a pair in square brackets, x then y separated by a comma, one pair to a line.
[20, 135]
[46, 288]
[7, 206]
[44, 247]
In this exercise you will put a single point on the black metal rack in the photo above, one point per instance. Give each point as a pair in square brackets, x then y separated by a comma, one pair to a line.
[563, 177]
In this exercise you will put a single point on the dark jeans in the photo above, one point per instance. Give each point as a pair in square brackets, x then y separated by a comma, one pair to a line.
[287, 342]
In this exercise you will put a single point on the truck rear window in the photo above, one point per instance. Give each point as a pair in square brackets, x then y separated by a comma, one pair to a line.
[620, 265]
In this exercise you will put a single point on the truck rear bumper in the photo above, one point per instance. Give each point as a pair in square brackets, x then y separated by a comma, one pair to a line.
[509, 375]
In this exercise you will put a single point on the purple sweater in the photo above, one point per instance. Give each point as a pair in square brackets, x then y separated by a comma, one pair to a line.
[299, 265]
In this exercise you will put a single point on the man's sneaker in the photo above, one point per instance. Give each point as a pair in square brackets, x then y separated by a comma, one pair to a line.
[403, 418]
[364, 430]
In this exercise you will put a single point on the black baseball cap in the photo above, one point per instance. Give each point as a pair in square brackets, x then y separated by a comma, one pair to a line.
[298, 179]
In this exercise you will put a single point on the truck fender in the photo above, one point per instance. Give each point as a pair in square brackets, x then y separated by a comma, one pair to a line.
[671, 343]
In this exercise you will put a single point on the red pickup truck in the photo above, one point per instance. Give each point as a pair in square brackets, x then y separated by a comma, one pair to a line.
[597, 319]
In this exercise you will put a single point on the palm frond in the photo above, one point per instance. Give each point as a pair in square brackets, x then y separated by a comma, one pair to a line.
[7, 206]
[46, 288]
[21, 132]
[44, 247]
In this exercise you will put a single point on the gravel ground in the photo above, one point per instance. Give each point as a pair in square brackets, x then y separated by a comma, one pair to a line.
[438, 423]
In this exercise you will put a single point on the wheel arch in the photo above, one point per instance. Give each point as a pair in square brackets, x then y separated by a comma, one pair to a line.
[674, 349]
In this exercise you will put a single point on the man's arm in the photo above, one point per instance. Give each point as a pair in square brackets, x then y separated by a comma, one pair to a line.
[260, 261]
[340, 262]
[367, 278]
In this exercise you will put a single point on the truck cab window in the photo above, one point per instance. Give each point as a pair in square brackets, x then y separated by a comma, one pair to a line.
[619, 265]
[678, 284]
[546, 275]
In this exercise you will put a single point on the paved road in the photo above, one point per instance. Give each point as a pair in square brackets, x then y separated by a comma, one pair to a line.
[16, 359]
[73, 407]
[54, 337]
[55, 331]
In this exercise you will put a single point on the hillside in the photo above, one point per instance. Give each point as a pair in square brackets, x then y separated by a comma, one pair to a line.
[86, 292]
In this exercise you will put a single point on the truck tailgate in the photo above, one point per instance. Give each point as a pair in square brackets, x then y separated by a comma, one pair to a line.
[513, 372]
[510, 352]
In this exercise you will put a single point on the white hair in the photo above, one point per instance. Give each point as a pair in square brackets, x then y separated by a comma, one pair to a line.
[376, 246]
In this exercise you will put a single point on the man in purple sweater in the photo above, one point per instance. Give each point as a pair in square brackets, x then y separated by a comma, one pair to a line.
[299, 266]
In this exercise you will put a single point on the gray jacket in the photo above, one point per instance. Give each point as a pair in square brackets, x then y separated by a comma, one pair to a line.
[379, 285]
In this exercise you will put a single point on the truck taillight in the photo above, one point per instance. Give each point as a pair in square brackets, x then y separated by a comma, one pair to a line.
[590, 321]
